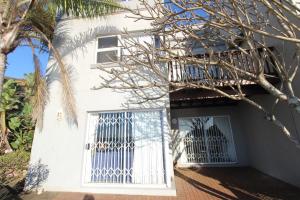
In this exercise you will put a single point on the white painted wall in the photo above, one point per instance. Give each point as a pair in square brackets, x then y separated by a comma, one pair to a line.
[58, 149]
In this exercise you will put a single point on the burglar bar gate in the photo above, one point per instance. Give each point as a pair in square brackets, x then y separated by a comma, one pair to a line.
[206, 140]
[125, 148]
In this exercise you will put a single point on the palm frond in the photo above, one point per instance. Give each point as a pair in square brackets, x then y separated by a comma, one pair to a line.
[91, 8]
[41, 17]
[68, 98]
[40, 91]
[40, 94]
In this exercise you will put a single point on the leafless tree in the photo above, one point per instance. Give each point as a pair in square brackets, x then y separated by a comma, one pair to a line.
[220, 46]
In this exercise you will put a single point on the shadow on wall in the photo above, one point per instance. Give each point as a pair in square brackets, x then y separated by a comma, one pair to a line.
[69, 44]
[36, 175]
[176, 140]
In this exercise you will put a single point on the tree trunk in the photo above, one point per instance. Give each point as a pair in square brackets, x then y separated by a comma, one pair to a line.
[7, 147]
[4, 133]
[3, 58]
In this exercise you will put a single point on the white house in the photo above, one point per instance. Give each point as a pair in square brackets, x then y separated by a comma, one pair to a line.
[122, 148]
[117, 147]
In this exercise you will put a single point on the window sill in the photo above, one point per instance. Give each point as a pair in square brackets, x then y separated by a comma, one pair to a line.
[104, 65]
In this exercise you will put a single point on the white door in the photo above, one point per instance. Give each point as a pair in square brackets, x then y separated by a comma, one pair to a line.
[206, 140]
[125, 148]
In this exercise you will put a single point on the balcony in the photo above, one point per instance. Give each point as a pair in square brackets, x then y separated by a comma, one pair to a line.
[186, 77]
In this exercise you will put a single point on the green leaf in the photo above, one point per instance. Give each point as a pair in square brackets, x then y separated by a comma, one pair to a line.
[14, 145]
[14, 123]
[27, 109]
[85, 8]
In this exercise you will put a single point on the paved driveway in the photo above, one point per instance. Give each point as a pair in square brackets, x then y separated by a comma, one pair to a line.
[204, 184]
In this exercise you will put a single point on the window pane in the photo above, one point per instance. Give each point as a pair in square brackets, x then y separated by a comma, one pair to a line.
[157, 41]
[107, 42]
[107, 56]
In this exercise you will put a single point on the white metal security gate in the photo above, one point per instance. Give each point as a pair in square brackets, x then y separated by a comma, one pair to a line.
[206, 140]
[125, 148]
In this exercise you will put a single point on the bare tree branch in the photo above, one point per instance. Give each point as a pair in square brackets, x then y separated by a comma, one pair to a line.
[219, 46]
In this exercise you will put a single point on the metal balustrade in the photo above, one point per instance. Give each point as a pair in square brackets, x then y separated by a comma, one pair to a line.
[181, 71]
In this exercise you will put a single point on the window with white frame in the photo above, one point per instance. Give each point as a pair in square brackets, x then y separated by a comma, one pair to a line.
[108, 49]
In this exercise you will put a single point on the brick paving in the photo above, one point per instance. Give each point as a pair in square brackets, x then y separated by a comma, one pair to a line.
[204, 184]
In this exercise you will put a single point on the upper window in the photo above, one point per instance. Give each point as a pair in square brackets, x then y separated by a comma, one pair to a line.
[108, 49]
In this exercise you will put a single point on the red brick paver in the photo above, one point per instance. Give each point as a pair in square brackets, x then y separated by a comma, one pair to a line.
[204, 184]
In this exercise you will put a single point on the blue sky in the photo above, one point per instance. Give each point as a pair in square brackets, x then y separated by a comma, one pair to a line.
[20, 62]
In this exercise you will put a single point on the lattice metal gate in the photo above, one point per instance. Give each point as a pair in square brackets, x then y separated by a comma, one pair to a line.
[206, 140]
[125, 148]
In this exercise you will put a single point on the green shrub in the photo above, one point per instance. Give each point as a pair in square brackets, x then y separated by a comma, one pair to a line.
[16, 108]
[13, 167]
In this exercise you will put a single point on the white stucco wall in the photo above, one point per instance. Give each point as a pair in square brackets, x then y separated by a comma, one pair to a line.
[58, 149]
